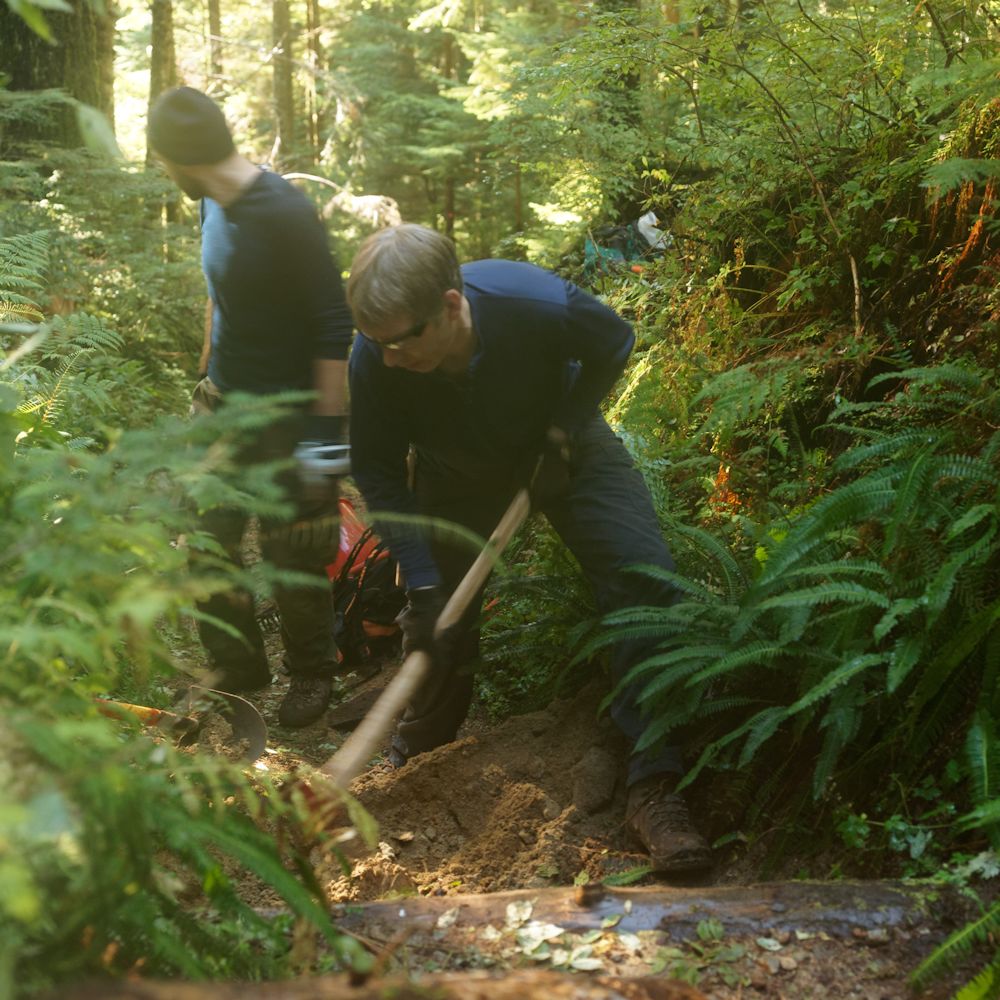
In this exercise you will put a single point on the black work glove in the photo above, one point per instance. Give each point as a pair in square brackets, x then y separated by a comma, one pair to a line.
[417, 620]
[549, 479]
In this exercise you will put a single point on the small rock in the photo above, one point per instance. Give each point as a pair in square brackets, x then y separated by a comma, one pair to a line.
[526, 837]
[782, 937]
[551, 809]
[770, 963]
[540, 723]
[859, 933]
[594, 777]
[536, 768]
[787, 963]
[406, 837]
[430, 833]
[878, 935]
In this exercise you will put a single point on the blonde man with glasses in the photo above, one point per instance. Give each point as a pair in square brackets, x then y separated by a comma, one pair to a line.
[482, 370]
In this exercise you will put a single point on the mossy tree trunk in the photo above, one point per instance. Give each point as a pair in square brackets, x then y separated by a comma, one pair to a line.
[80, 63]
[284, 94]
[163, 56]
[215, 42]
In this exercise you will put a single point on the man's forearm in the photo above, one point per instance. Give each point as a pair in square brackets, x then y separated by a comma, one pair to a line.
[330, 379]
[206, 344]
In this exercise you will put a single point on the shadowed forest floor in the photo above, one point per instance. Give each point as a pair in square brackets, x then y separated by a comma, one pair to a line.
[537, 802]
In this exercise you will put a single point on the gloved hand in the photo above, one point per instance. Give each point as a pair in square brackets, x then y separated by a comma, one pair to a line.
[417, 620]
[550, 477]
[318, 484]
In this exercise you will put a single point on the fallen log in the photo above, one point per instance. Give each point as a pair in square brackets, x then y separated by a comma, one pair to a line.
[845, 909]
[518, 985]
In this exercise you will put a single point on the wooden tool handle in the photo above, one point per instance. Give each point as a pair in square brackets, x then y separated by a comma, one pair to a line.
[146, 715]
[352, 757]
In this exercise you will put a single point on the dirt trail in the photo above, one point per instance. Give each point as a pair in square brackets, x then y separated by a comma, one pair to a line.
[536, 802]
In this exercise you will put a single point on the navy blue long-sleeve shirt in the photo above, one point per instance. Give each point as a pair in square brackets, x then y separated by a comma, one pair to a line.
[547, 353]
[278, 299]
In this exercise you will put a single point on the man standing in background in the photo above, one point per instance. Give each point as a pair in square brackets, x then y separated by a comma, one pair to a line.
[490, 371]
[279, 322]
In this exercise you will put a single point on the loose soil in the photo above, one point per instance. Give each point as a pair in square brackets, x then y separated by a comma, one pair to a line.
[538, 801]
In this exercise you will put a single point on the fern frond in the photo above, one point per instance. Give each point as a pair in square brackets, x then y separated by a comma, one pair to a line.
[981, 551]
[679, 582]
[887, 446]
[958, 946]
[896, 610]
[934, 375]
[954, 653]
[969, 519]
[982, 752]
[857, 501]
[758, 652]
[852, 668]
[904, 657]
[721, 559]
[826, 593]
[765, 726]
[842, 567]
[967, 468]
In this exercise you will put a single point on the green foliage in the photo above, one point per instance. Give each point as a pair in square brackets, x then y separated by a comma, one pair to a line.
[118, 853]
[535, 610]
[869, 610]
[982, 757]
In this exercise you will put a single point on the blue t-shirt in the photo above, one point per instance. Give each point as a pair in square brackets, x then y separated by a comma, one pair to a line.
[547, 354]
[278, 299]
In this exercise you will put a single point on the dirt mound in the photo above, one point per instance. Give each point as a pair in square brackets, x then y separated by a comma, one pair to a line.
[533, 803]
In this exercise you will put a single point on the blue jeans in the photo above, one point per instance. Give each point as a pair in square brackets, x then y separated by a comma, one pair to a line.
[607, 521]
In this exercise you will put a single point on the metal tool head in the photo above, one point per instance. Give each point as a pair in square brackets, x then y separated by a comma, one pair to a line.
[243, 718]
[317, 458]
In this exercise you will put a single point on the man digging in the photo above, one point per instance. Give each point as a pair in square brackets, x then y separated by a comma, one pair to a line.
[481, 370]
[279, 322]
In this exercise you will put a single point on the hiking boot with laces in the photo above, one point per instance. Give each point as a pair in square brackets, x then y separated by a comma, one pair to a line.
[305, 702]
[659, 817]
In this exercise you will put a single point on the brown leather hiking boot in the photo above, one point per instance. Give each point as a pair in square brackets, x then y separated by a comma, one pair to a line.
[659, 817]
[305, 702]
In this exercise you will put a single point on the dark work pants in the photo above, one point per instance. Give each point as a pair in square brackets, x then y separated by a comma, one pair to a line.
[307, 544]
[608, 522]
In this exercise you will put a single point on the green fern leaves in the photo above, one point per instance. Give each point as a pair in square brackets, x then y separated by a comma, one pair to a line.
[870, 604]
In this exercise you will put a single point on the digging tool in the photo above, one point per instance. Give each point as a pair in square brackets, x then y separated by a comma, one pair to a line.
[243, 718]
[183, 727]
[198, 702]
[351, 758]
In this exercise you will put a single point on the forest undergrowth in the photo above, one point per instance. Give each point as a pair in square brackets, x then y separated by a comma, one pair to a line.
[813, 402]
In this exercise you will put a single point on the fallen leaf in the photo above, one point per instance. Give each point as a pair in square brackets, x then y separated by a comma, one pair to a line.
[518, 912]
[769, 944]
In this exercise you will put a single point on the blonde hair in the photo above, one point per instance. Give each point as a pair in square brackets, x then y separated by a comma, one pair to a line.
[401, 272]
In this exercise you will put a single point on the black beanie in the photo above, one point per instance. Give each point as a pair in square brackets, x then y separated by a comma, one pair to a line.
[188, 127]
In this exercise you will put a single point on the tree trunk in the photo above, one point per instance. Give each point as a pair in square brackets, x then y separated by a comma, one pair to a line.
[80, 63]
[163, 57]
[315, 61]
[842, 909]
[518, 200]
[284, 100]
[214, 42]
[621, 110]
